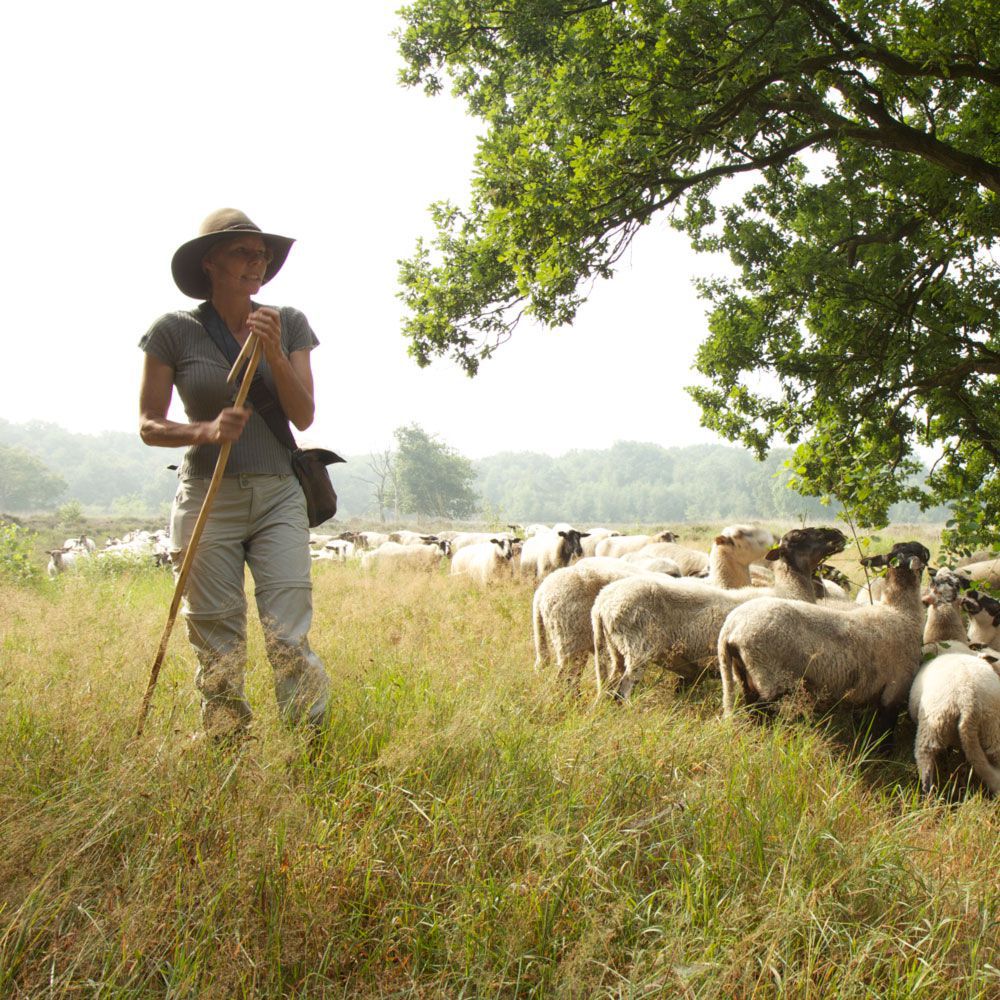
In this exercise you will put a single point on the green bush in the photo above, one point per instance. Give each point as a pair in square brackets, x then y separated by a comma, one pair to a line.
[15, 553]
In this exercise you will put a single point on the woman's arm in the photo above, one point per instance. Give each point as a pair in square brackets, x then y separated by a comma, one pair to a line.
[292, 375]
[154, 400]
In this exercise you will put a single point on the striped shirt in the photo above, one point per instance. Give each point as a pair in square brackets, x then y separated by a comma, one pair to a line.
[179, 340]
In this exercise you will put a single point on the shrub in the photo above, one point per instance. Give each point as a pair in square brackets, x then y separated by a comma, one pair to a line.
[15, 553]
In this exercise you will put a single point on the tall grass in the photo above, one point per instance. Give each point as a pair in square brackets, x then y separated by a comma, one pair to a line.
[464, 829]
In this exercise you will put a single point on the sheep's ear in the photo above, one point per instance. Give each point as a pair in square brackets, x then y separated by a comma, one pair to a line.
[585, 534]
[874, 561]
[927, 599]
[723, 540]
[773, 554]
[932, 570]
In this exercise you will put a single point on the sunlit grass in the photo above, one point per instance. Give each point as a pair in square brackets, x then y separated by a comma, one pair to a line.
[466, 828]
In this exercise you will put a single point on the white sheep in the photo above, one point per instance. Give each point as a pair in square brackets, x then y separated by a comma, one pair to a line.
[394, 555]
[857, 656]
[677, 623]
[484, 562]
[560, 610]
[985, 572]
[62, 560]
[955, 702]
[616, 546]
[595, 535]
[461, 539]
[549, 550]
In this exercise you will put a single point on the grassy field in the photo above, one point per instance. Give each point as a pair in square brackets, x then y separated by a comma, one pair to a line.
[468, 829]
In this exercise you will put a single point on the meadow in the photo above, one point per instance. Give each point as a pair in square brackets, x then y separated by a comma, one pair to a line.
[466, 827]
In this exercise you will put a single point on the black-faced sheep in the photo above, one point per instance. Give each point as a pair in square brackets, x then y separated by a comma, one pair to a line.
[857, 656]
[676, 623]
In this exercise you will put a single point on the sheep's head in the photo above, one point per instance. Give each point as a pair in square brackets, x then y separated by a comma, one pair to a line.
[665, 536]
[806, 548]
[903, 555]
[751, 541]
[946, 588]
[979, 604]
[573, 541]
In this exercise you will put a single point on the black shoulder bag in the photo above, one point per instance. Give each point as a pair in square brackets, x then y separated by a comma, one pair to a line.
[308, 464]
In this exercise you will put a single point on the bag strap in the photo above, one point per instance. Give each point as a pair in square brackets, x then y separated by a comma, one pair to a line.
[264, 401]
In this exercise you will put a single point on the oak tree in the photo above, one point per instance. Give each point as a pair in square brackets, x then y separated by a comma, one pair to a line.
[865, 137]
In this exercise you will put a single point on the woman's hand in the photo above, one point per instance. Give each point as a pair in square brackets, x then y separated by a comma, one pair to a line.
[227, 426]
[266, 323]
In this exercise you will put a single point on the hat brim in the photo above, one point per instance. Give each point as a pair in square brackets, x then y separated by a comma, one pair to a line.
[186, 264]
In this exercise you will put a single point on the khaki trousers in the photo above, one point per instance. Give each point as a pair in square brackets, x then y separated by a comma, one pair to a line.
[259, 521]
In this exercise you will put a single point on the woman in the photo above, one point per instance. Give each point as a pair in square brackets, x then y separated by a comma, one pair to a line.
[258, 517]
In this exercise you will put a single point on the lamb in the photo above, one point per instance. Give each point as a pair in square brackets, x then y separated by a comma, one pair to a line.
[616, 546]
[955, 702]
[393, 555]
[485, 562]
[858, 656]
[548, 550]
[676, 623]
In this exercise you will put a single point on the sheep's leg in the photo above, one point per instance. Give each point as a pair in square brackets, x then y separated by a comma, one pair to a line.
[928, 758]
[882, 732]
[631, 676]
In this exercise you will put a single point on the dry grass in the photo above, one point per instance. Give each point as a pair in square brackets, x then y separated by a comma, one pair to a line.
[467, 829]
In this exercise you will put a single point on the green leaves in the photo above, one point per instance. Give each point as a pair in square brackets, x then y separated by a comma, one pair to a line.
[863, 319]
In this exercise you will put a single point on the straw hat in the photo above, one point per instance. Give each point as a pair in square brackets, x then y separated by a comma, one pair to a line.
[223, 224]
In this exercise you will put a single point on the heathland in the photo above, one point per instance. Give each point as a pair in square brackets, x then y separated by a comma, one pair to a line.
[465, 827]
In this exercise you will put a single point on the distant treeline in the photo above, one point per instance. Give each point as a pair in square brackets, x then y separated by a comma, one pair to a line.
[629, 483]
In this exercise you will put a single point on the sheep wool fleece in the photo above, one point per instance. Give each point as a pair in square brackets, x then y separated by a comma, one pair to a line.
[260, 520]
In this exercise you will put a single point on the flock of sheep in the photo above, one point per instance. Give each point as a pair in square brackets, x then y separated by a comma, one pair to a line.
[769, 615]
[139, 545]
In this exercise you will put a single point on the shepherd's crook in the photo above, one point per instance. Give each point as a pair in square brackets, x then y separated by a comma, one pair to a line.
[213, 488]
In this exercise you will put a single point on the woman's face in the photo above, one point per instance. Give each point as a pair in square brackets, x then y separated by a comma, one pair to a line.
[238, 265]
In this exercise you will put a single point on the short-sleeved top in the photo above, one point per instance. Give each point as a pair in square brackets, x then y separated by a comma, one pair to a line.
[179, 340]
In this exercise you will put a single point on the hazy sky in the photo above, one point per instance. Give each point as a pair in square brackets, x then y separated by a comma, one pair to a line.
[127, 123]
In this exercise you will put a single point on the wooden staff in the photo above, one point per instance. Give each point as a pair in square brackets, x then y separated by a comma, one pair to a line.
[213, 488]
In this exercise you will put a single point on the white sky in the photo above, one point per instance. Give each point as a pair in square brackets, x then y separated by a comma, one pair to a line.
[126, 123]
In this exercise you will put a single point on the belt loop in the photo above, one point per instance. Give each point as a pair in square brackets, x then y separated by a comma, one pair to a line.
[243, 480]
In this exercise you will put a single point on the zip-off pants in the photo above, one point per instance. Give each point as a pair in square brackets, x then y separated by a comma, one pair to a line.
[260, 521]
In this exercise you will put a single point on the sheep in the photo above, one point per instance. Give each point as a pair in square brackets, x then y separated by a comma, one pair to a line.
[61, 560]
[652, 564]
[394, 555]
[617, 545]
[338, 549]
[986, 571]
[693, 562]
[405, 537]
[463, 538]
[83, 542]
[676, 623]
[368, 541]
[984, 619]
[484, 561]
[943, 600]
[955, 702]
[548, 550]
[560, 610]
[858, 656]
[595, 535]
